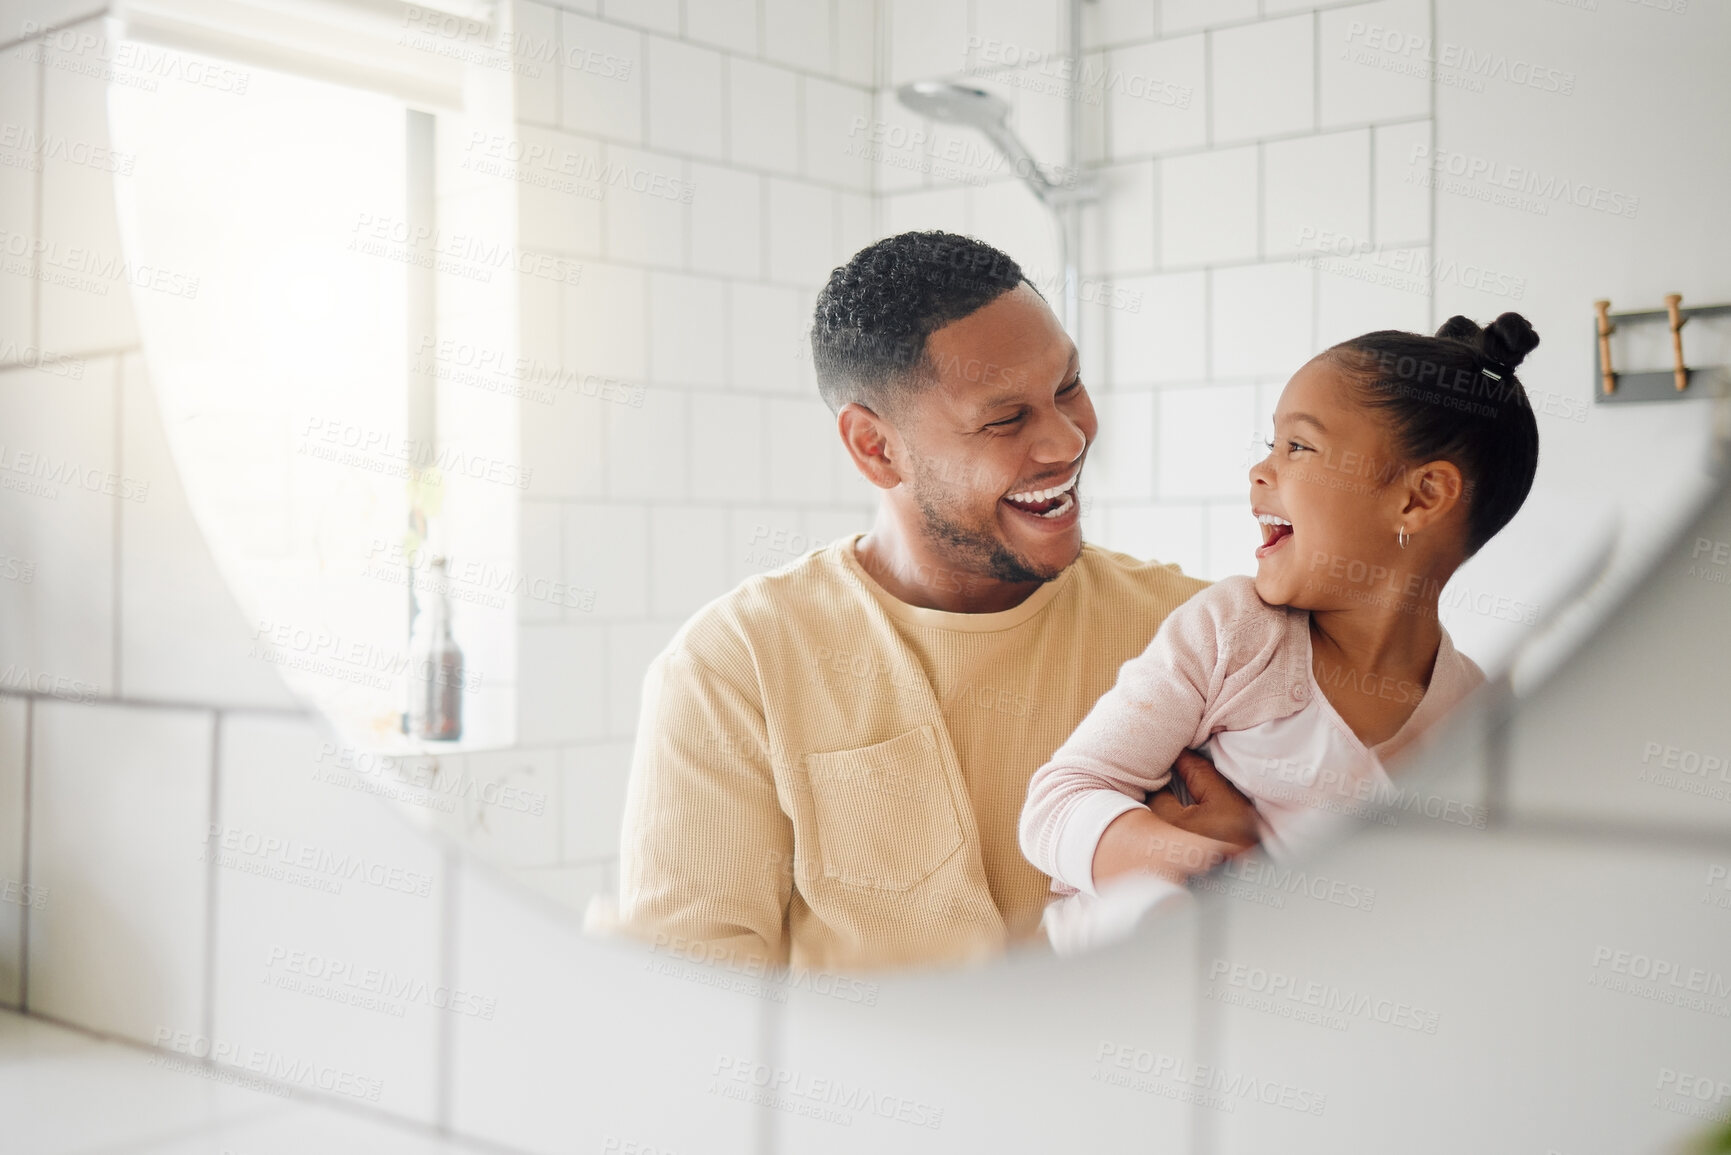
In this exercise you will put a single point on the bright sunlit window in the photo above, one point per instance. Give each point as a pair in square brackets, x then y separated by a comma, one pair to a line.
[282, 379]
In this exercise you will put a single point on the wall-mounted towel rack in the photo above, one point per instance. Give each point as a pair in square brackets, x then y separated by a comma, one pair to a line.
[1660, 385]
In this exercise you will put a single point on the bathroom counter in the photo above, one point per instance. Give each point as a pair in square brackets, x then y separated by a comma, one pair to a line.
[63, 1092]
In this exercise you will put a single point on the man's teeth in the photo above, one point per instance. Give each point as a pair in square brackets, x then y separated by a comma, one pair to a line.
[1060, 509]
[1034, 495]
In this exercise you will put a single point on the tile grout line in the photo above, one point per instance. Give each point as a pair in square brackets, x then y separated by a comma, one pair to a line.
[1316, 70]
[36, 209]
[770, 1024]
[1370, 215]
[331, 1100]
[1261, 203]
[207, 1011]
[560, 772]
[1208, 90]
[445, 1073]
[1159, 181]
[117, 626]
[28, 803]
[835, 37]
[1208, 1021]
[164, 704]
[559, 69]
[1499, 724]
[1430, 190]
[759, 55]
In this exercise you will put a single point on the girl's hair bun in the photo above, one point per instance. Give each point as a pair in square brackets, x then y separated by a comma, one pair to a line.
[1455, 397]
[1509, 339]
[1505, 341]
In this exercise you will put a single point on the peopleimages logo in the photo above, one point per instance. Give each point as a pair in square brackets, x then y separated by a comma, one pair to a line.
[46, 472]
[1278, 987]
[368, 987]
[1661, 980]
[234, 845]
[88, 270]
[262, 1061]
[128, 62]
[828, 1100]
[1116, 1063]
[1543, 188]
[385, 451]
[1413, 270]
[30, 149]
[1448, 62]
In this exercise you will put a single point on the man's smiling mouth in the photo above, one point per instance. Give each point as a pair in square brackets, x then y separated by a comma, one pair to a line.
[1051, 503]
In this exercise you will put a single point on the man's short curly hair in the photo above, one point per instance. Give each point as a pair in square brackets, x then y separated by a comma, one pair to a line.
[869, 330]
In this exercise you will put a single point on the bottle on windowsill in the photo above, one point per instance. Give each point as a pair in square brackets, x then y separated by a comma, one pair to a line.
[435, 671]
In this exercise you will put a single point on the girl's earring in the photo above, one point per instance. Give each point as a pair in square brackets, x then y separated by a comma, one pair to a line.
[1402, 538]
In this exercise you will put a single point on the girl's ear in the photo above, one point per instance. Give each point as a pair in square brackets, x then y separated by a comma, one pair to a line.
[1432, 492]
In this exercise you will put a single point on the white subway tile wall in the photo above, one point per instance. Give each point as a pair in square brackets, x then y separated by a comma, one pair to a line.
[592, 778]
[1189, 15]
[642, 1030]
[57, 613]
[310, 889]
[1116, 21]
[1253, 175]
[1155, 96]
[1400, 201]
[763, 116]
[731, 154]
[562, 683]
[1164, 338]
[80, 232]
[180, 635]
[1362, 80]
[685, 105]
[120, 807]
[1209, 203]
[1259, 167]
[1316, 193]
[1122, 237]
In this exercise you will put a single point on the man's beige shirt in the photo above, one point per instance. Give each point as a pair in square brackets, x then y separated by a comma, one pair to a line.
[828, 777]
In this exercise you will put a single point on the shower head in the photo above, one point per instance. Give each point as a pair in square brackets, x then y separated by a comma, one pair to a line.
[972, 107]
[955, 103]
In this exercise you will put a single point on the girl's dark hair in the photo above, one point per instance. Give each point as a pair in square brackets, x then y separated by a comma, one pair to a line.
[1455, 397]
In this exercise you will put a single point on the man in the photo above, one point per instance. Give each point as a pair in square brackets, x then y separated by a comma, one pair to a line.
[831, 759]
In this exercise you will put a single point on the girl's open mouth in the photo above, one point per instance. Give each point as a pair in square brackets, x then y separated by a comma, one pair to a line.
[1274, 531]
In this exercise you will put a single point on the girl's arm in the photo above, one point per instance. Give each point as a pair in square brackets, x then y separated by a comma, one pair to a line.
[1122, 751]
[1181, 840]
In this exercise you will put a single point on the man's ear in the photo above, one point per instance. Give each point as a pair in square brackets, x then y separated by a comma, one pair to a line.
[1433, 490]
[872, 443]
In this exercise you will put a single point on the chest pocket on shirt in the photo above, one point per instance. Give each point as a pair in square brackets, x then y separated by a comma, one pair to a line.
[880, 816]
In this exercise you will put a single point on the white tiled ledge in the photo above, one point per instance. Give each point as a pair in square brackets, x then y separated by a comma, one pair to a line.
[69, 1090]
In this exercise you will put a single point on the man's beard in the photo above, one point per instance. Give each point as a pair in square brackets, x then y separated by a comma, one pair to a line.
[976, 549]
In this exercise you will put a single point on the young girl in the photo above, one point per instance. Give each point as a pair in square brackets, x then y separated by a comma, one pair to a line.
[1395, 457]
